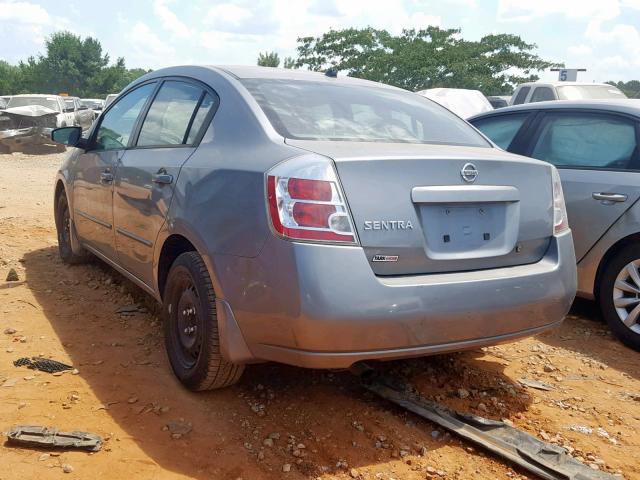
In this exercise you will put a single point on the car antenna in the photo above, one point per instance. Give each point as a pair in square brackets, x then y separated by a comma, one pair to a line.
[332, 72]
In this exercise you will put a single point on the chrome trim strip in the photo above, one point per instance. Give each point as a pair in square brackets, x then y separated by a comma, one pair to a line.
[133, 237]
[93, 219]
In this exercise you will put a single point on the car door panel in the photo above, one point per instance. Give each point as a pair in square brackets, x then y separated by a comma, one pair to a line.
[586, 171]
[589, 217]
[147, 174]
[96, 169]
[92, 199]
[143, 192]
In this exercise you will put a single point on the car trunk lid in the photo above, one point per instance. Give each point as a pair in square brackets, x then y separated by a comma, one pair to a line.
[414, 212]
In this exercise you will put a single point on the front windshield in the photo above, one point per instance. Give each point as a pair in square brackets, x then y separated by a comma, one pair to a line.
[310, 110]
[48, 102]
[589, 92]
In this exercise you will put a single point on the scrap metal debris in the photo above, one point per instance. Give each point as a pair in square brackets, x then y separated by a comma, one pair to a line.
[527, 382]
[42, 364]
[544, 459]
[38, 436]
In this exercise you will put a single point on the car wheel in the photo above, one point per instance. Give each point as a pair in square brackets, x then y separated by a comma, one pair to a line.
[191, 327]
[619, 295]
[63, 226]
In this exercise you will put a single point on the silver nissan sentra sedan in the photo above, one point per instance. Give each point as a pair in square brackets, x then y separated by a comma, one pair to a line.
[312, 220]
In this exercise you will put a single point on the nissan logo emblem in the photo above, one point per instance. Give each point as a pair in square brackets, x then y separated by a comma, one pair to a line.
[469, 173]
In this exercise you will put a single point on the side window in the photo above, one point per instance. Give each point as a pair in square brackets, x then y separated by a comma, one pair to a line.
[501, 129]
[208, 103]
[117, 124]
[586, 140]
[542, 94]
[170, 115]
[521, 96]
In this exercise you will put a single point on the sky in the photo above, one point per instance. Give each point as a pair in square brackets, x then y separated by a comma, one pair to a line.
[602, 36]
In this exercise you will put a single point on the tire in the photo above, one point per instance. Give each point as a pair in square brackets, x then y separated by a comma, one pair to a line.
[191, 327]
[619, 295]
[63, 226]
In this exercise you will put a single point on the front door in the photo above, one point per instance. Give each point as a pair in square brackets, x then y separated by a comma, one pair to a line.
[147, 173]
[597, 157]
[96, 169]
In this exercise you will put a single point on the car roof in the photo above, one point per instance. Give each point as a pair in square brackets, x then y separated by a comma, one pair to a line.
[627, 105]
[38, 95]
[562, 84]
[268, 73]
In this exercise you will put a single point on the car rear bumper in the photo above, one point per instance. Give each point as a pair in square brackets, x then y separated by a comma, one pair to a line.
[321, 306]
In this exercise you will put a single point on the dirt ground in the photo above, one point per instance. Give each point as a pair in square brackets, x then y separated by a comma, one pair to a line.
[316, 424]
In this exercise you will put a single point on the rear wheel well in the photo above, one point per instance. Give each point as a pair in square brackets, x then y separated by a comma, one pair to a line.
[173, 247]
[613, 250]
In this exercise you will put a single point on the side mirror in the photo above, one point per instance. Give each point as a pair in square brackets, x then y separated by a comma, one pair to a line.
[83, 107]
[71, 136]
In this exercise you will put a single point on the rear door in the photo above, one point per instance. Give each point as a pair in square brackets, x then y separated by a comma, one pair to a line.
[146, 174]
[598, 160]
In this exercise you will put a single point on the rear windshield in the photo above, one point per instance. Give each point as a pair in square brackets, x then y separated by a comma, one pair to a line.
[308, 110]
[51, 103]
[589, 92]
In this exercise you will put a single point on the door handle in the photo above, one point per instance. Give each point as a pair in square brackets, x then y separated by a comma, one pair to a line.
[106, 177]
[609, 197]
[162, 178]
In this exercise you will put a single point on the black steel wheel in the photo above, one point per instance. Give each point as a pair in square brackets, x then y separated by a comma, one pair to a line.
[191, 327]
[63, 227]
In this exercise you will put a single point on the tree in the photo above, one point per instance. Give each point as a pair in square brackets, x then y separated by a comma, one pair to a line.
[10, 78]
[631, 88]
[268, 59]
[427, 58]
[70, 64]
[290, 62]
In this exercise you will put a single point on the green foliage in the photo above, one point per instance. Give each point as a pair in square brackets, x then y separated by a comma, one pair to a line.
[269, 59]
[290, 62]
[428, 58]
[10, 78]
[72, 65]
[631, 88]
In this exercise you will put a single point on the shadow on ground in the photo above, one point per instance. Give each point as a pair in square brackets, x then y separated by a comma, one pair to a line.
[122, 358]
[586, 333]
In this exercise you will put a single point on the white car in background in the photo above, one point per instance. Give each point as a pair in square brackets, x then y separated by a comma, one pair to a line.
[543, 92]
[464, 103]
[110, 98]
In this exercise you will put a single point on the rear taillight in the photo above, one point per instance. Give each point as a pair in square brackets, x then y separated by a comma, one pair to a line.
[306, 202]
[560, 220]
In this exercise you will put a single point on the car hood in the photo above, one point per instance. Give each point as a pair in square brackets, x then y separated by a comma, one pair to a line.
[31, 110]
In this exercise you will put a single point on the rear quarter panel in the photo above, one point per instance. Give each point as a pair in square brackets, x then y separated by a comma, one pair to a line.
[628, 224]
[219, 203]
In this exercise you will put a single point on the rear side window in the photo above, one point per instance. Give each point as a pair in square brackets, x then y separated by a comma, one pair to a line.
[586, 140]
[170, 114]
[542, 94]
[501, 129]
[117, 124]
[521, 96]
[208, 103]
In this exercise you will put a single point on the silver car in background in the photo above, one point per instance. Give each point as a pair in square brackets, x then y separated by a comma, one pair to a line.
[594, 144]
[295, 217]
